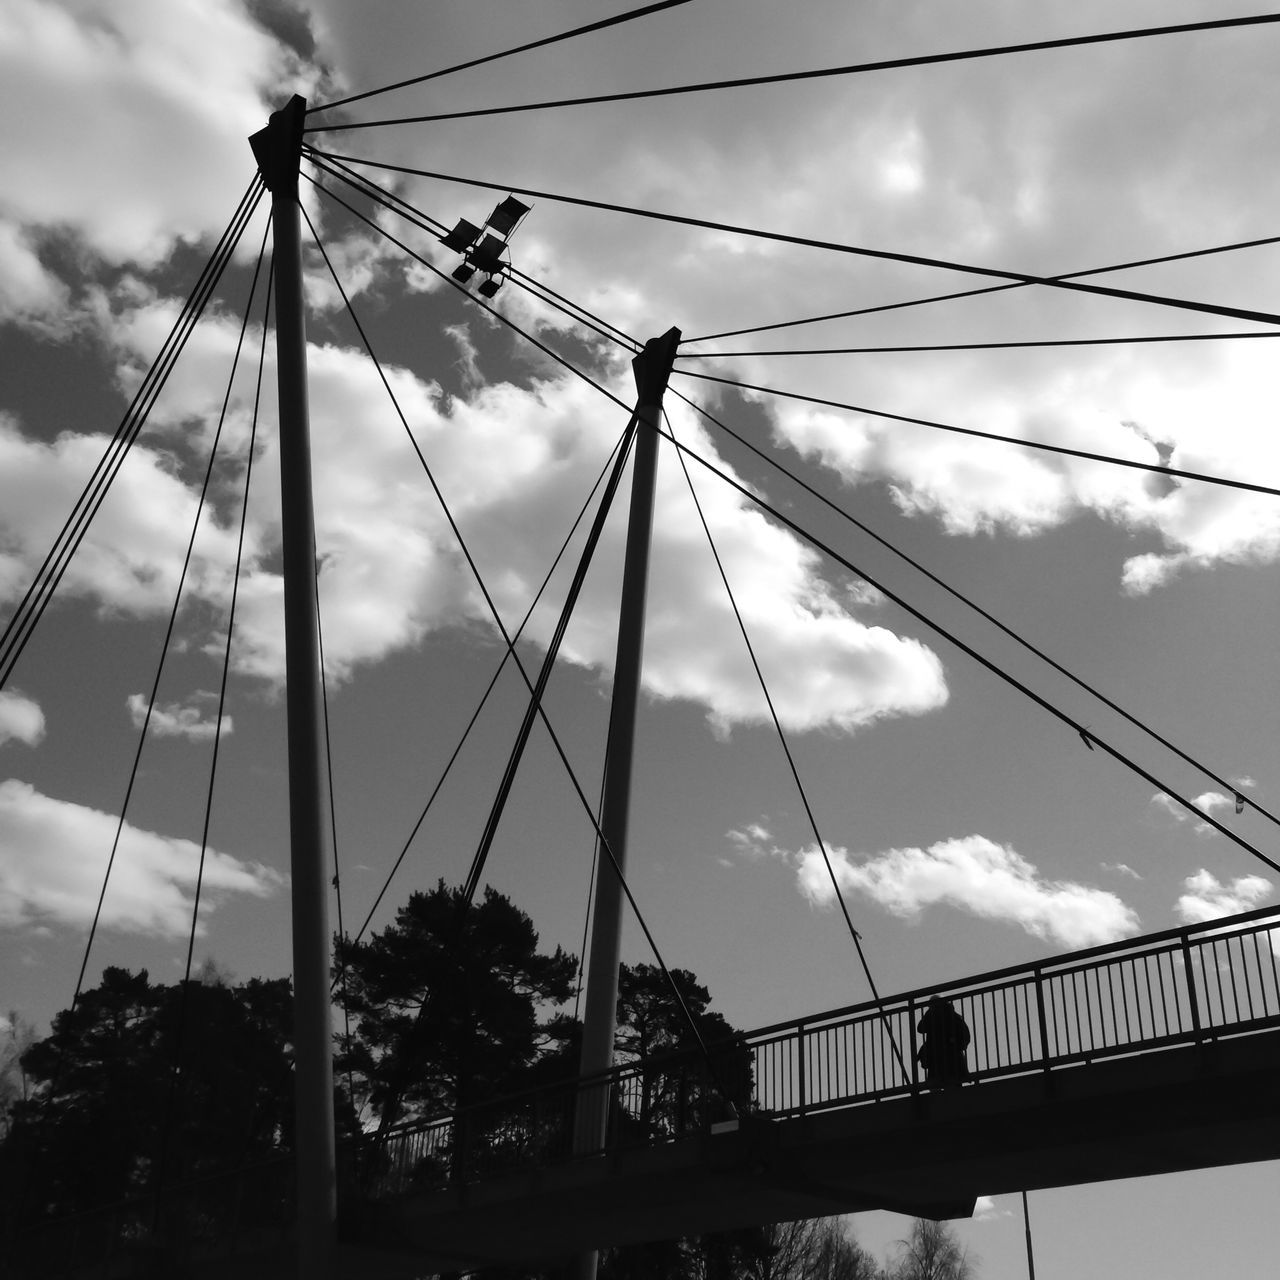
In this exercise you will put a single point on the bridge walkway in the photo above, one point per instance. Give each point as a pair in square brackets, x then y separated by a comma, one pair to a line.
[1152, 1055]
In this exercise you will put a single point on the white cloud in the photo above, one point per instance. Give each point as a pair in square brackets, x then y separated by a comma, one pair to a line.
[1206, 898]
[976, 875]
[175, 720]
[1208, 802]
[162, 93]
[1003, 167]
[21, 719]
[1211, 800]
[390, 568]
[754, 838]
[1003, 164]
[132, 556]
[1121, 869]
[985, 1210]
[53, 855]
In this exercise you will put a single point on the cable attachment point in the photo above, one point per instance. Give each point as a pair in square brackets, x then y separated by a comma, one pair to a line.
[278, 147]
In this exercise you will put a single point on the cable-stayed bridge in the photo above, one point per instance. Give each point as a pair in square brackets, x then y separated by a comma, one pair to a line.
[1148, 1056]
[1154, 1055]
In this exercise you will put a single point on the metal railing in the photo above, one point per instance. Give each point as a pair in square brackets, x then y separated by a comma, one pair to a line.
[1160, 991]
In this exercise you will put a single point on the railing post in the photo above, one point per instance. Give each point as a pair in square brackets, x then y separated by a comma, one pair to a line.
[1043, 1021]
[800, 1068]
[1191, 987]
[915, 1061]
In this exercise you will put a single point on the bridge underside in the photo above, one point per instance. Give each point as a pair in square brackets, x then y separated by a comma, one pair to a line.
[1187, 1108]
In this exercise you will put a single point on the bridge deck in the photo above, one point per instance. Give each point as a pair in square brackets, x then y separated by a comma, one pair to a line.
[1153, 1055]
[930, 1155]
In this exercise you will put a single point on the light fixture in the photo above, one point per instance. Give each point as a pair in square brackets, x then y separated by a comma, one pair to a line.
[490, 287]
[462, 237]
[487, 255]
[504, 217]
[463, 272]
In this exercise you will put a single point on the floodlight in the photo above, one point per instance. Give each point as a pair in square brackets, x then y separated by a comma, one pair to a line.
[462, 237]
[490, 287]
[505, 216]
[487, 255]
[463, 272]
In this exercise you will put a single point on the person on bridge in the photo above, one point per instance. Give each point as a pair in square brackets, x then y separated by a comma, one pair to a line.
[946, 1039]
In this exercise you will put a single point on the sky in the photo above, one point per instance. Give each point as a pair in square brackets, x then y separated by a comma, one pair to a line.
[970, 829]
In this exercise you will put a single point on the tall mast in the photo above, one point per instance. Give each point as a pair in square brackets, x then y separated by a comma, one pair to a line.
[278, 150]
[652, 367]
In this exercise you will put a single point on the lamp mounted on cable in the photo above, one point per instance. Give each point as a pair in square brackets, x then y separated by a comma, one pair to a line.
[483, 250]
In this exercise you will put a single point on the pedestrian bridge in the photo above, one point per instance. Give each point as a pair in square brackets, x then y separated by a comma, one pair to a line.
[1154, 1055]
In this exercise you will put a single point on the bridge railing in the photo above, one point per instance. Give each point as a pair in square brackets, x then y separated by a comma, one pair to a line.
[1159, 991]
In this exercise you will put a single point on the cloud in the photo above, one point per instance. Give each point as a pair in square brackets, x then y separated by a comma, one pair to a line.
[163, 94]
[976, 875]
[985, 1210]
[132, 555]
[175, 720]
[997, 164]
[53, 855]
[391, 571]
[754, 839]
[21, 719]
[1121, 869]
[1207, 801]
[1206, 898]
[1014, 176]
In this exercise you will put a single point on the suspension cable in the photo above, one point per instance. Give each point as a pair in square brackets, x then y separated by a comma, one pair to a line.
[1156, 468]
[424, 222]
[985, 346]
[617, 20]
[992, 288]
[470, 297]
[548, 663]
[176, 1078]
[1087, 736]
[31, 608]
[484, 697]
[791, 763]
[497, 619]
[769, 458]
[168, 636]
[822, 72]
[831, 246]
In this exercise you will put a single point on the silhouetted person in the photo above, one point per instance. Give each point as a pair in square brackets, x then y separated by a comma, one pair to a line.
[946, 1037]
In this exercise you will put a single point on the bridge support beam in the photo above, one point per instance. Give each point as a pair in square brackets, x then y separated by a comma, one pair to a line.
[277, 149]
[652, 367]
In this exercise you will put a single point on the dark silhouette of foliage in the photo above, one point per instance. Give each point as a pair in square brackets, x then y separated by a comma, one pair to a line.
[113, 1103]
[452, 1005]
[686, 1093]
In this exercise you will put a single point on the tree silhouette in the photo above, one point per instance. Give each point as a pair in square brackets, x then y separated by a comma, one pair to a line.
[688, 1092]
[453, 1005]
[142, 1081]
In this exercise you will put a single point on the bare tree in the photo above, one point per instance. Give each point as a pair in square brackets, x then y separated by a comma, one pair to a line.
[931, 1252]
[811, 1249]
[17, 1035]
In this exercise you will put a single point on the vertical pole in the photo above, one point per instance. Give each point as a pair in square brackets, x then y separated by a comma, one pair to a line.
[1026, 1220]
[652, 367]
[278, 152]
